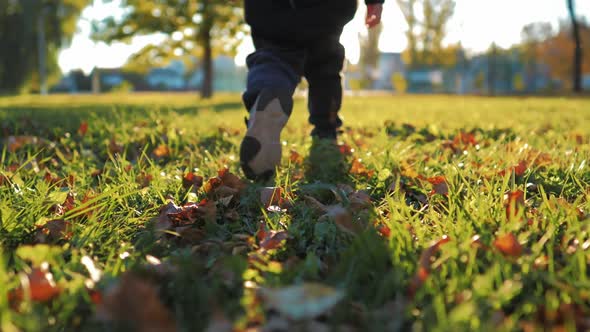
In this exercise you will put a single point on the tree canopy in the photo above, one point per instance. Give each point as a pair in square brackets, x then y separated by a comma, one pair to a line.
[192, 29]
[21, 23]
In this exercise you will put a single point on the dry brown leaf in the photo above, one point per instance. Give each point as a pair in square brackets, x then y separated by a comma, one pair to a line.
[295, 158]
[135, 302]
[359, 200]
[424, 265]
[192, 181]
[439, 184]
[53, 231]
[357, 168]
[508, 245]
[268, 240]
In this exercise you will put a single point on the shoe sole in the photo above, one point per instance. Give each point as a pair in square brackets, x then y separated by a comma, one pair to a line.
[260, 151]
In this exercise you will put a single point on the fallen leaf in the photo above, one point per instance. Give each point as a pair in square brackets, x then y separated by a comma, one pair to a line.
[53, 231]
[163, 221]
[192, 181]
[40, 286]
[83, 128]
[342, 218]
[15, 143]
[161, 151]
[60, 182]
[357, 168]
[144, 179]
[345, 149]
[205, 210]
[464, 139]
[268, 240]
[424, 266]
[359, 200]
[224, 184]
[115, 147]
[271, 196]
[440, 185]
[384, 230]
[134, 302]
[508, 245]
[518, 169]
[298, 302]
[513, 203]
[67, 205]
[295, 157]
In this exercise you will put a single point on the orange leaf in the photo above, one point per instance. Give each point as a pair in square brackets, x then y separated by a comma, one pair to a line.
[384, 230]
[41, 286]
[508, 245]
[517, 169]
[424, 265]
[357, 168]
[295, 158]
[161, 151]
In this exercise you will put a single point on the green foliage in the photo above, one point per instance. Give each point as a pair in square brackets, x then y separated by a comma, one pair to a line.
[196, 29]
[473, 143]
[425, 36]
[19, 22]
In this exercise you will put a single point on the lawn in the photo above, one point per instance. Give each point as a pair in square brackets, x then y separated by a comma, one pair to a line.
[130, 212]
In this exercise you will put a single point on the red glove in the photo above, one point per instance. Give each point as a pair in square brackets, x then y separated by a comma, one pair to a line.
[373, 14]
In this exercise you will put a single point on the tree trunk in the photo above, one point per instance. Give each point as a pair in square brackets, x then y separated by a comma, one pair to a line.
[492, 70]
[577, 69]
[207, 86]
[41, 51]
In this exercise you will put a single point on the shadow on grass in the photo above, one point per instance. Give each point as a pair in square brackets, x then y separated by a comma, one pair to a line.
[43, 120]
[325, 163]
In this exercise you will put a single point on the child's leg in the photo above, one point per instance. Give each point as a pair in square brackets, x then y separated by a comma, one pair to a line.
[324, 59]
[272, 65]
[274, 70]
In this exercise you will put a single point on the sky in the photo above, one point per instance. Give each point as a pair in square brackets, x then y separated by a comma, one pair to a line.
[476, 24]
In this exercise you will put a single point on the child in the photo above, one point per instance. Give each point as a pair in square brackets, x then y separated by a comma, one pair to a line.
[293, 38]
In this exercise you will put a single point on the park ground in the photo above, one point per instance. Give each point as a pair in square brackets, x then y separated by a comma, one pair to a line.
[130, 212]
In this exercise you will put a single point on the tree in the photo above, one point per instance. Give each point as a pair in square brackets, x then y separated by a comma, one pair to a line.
[369, 59]
[425, 37]
[192, 29]
[31, 33]
[577, 70]
[533, 35]
[558, 50]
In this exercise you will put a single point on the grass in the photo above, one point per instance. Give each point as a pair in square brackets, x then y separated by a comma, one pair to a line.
[432, 166]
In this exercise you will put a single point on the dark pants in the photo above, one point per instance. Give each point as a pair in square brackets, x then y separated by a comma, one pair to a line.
[282, 58]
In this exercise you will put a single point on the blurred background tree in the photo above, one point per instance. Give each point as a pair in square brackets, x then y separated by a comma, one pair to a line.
[31, 33]
[425, 36]
[193, 29]
[578, 53]
[369, 57]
